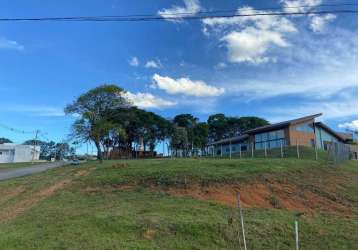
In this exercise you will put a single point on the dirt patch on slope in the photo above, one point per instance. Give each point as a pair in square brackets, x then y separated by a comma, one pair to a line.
[11, 212]
[265, 195]
[10, 193]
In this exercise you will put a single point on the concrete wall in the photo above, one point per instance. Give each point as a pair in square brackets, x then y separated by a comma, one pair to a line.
[11, 153]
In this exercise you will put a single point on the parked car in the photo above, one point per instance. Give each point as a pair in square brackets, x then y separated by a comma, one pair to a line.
[75, 162]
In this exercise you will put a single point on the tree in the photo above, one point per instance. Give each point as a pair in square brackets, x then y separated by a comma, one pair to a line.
[51, 149]
[251, 122]
[201, 131]
[62, 150]
[139, 126]
[4, 140]
[221, 127]
[218, 125]
[188, 122]
[179, 140]
[93, 108]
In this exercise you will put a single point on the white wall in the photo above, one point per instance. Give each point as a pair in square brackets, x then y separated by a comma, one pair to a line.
[18, 153]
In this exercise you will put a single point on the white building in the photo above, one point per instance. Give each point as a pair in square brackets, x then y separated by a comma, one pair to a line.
[10, 153]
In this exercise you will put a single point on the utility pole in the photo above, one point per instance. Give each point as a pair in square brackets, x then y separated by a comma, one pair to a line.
[34, 149]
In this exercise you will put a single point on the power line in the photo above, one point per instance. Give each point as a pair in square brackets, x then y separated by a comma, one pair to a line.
[15, 130]
[256, 9]
[185, 16]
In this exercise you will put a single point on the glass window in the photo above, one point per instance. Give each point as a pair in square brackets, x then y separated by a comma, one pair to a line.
[274, 144]
[307, 128]
[258, 138]
[264, 137]
[272, 135]
[280, 134]
[243, 148]
[233, 148]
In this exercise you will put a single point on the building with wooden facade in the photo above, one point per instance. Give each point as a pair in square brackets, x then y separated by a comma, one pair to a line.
[304, 131]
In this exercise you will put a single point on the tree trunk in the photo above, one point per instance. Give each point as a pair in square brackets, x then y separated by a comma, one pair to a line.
[99, 151]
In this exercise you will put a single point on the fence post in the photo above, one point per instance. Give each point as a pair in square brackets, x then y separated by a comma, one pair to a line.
[281, 149]
[252, 150]
[296, 233]
[230, 149]
[242, 221]
[315, 149]
[221, 150]
[240, 150]
[298, 150]
[265, 149]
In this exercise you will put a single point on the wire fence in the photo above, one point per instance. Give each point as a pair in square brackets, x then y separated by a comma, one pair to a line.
[332, 152]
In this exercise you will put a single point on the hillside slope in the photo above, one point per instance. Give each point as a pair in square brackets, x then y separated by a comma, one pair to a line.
[182, 204]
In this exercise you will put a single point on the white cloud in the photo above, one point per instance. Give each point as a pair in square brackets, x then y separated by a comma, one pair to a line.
[220, 65]
[274, 23]
[300, 5]
[185, 86]
[134, 62]
[353, 125]
[147, 100]
[191, 8]
[316, 87]
[9, 44]
[248, 39]
[340, 106]
[153, 64]
[318, 23]
[251, 45]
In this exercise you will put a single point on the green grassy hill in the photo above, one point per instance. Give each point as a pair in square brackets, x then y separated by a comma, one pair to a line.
[182, 204]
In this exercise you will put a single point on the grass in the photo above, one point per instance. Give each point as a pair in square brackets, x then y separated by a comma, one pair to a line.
[88, 213]
[203, 170]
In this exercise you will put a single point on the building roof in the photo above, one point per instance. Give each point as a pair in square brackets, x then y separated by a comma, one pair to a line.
[230, 140]
[13, 146]
[331, 131]
[266, 128]
[281, 124]
[346, 136]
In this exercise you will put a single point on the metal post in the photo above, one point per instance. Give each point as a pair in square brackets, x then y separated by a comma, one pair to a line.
[298, 150]
[163, 149]
[296, 233]
[315, 141]
[281, 149]
[221, 150]
[252, 150]
[265, 149]
[230, 149]
[242, 221]
[240, 150]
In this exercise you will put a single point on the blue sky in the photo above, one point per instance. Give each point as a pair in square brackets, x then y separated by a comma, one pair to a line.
[274, 67]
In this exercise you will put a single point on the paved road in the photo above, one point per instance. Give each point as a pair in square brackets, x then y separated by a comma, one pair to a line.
[31, 169]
